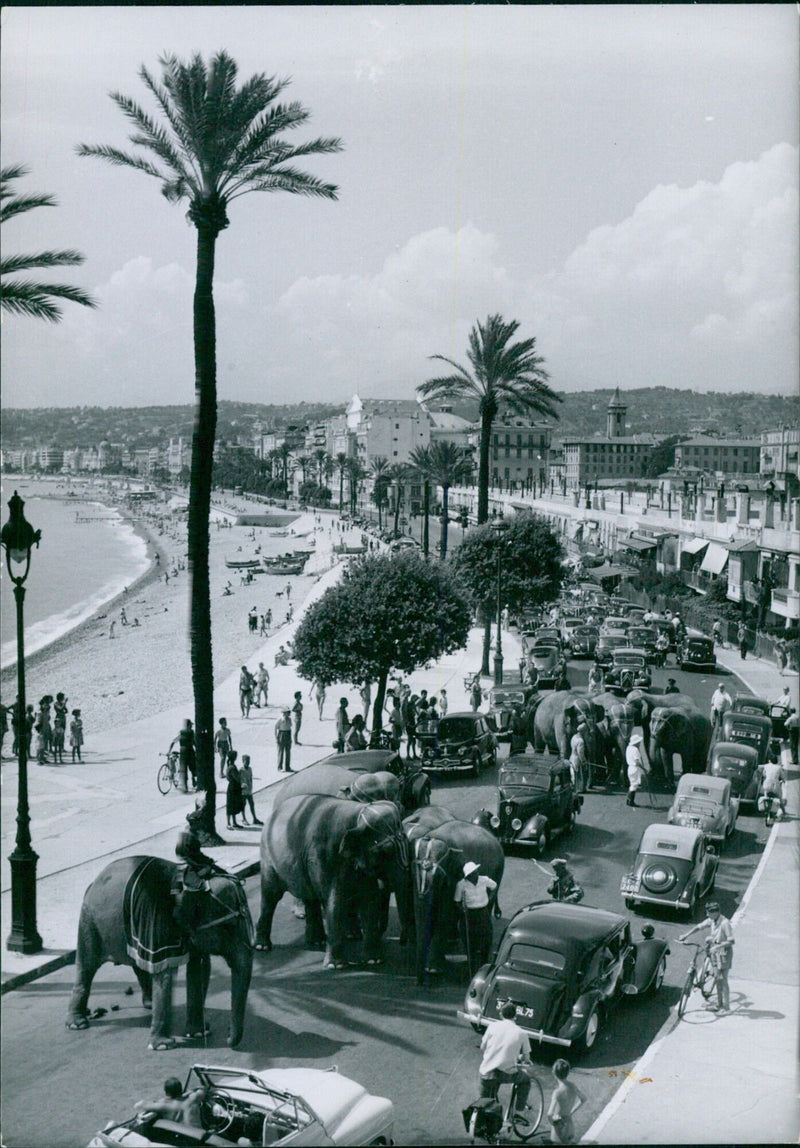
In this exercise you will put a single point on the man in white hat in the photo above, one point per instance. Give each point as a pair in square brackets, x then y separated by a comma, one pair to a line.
[283, 736]
[636, 770]
[475, 892]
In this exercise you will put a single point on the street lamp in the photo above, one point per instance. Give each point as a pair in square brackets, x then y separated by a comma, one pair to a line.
[18, 538]
[499, 527]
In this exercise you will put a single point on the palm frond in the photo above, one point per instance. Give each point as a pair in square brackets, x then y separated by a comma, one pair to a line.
[22, 297]
[12, 264]
[21, 203]
[119, 158]
[289, 179]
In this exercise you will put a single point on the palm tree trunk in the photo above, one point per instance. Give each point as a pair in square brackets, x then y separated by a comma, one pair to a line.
[445, 518]
[487, 640]
[426, 510]
[397, 508]
[341, 488]
[483, 469]
[205, 425]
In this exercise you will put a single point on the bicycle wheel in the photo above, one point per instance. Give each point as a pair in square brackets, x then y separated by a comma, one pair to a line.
[164, 778]
[707, 979]
[686, 991]
[525, 1123]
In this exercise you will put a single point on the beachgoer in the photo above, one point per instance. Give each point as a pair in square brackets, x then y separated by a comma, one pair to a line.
[318, 689]
[396, 724]
[234, 801]
[59, 736]
[223, 744]
[76, 735]
[297, 715]
[365, 694]
[565, 1101]
[246, 685]
[283, 736]
[111, 629]
[443, 703]
[342, 725]
[262, 685]
[246, 782]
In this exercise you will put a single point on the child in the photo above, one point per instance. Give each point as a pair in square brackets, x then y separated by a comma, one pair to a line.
[59, 734]
[297, 715]
[246, 781]
[76, 735]
[564, 1102]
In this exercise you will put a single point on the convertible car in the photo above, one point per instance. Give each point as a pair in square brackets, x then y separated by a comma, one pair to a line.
[273, 1106]
[674, 866]
[705, 803]
[535, 797]
[564, 966]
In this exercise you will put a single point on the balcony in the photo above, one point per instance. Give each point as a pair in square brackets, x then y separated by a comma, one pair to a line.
[786, 603]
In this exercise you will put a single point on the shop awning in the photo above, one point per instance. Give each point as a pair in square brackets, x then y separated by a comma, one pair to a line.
[640, 545]
[715, 558]
[600, 573]
[693, 545]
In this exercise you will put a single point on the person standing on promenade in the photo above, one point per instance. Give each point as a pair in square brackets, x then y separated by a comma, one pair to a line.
[791, 726]
[342, 725]
[365, 694]
[44, 728]
[781, 653]
[59, 734]
[741, 638]
[564, 1102]
[76, 735]
[246, 782]
[283, 736]
[252, 620]
[60, 708]
[318, 690]
[223, 744]
[246, 684]
[355, 739]
[187, 760]
[297, 715]
[396, 724]
[262, 685]
[234, 802]
[443, 703]
[720, 936]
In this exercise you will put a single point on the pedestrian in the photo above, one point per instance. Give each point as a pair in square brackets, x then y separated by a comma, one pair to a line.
[565, 1101]
[59, 736]
[246, 685]
[410, 720]
[223, 744]
[76, 735]
[635, 764]
[721, 702]
[443, 703]
[355, 739]
[476, 694]
[342, 725]
[269, 617]
[3, 725]
[396, 724]
[263, 630]
[595, 679]
[662, 650]
[30, 722]
[44, 730]
[60, 708]
[519, 730]
[246, 782]
[262, 685]
[187, 758]
[579, 766]
[297, 715]
[671, 687]
[283, 737]
[716, 633]
[111, 629]
[288, 591]
[365, 694]
[781, 654]
[234, 801]
[318, 690]
[475, 893]
[720, 936]
[741, 638]
[252, 620]
[791, 727]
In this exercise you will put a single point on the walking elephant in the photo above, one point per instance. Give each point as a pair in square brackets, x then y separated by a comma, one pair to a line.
[556, 720]
[138, 912]
[616, 731]
[438, 855]
[643, 703]
[338, 781]
[333, 854]
[677, 731]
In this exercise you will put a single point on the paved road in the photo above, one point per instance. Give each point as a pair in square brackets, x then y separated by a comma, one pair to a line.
[378, 1027]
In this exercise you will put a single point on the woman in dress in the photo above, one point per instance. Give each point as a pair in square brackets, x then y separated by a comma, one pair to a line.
[234, 801]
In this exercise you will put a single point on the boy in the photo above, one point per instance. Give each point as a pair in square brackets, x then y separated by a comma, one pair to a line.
[297, 715]
[564, 1102]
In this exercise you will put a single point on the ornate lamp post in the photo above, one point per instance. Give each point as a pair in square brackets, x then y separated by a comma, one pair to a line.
[499, 527]
[18, 537]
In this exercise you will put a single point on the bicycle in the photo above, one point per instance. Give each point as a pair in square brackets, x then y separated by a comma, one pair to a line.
[167, 775]
[701, 973]
[487, 1119]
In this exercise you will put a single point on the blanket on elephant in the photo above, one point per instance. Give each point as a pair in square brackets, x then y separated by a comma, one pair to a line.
[152, 938]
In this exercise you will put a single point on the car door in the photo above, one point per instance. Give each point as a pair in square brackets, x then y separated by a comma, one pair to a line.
[561, 796]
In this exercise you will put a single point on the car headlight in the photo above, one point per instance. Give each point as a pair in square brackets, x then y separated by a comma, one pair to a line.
[462, 751]
[516, 825]
[495, 821]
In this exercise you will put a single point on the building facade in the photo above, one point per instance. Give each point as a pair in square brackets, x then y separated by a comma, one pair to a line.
[726, 455]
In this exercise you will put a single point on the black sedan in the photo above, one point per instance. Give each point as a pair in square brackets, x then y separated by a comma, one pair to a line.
[606, 644]
[463, 743]
[535, 798]
[628, 671]
[584, 641]
[697, 653]
[563, 966]
[502, 700]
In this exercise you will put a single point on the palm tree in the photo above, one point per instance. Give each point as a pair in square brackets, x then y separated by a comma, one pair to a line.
[304, 462]
[214, 143]
[320, 458]
[340, 462]
[379, 473]
[503, 374]
[398, 474]
[449, 464]
[21, 296]
[355, 473]
[420, 459]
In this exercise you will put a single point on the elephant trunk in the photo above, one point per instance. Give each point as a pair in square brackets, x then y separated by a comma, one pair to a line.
[241, 966]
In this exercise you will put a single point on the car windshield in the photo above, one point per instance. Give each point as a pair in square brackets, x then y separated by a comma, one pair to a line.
[628, 660]
[507, 697]
[533, 959]
[586, 632]
[544, 651]
[728, 761]
[530, 778]
[456, 729]
[613, 641]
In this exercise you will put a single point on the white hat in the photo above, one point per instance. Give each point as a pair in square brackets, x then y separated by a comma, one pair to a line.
[470, 867]
[636, 739]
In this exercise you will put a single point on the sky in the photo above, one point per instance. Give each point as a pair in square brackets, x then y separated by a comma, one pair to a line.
[621, 180]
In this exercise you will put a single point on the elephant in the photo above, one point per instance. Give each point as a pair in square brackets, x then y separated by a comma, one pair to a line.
[556, 720]
[332, 853]
[643, 703]
[616, 731]
[677, 731]
[338, 781]
[439, 853]
[138, 912]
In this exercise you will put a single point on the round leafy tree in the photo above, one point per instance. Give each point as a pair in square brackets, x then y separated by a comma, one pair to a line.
[388, 614]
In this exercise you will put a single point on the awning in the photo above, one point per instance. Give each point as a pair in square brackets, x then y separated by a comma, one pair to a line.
[715, 558]
[693, 545]
[599, 573]
[640, 545]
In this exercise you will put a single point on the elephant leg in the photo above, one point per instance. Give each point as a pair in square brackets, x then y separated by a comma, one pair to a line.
[161, 1037]
[146, 985]
[335, 926]
[88, 959]
[241, 966]
[272, 889]
[374, 905]
[198, 972]
[315, 930]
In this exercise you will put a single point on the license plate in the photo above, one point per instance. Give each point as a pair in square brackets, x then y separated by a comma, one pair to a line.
[524, 1011]
[629, 885]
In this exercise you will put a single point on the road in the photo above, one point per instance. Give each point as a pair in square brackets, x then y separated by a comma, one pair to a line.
[378, 1026]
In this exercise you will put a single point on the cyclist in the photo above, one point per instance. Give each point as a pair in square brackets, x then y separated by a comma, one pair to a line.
[719, 944]
[504, 1045]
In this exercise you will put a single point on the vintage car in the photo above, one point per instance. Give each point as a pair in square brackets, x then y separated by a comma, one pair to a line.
[547, 636]
[270, 1106]
[747, 704]
[583, 642]
[606, 644]
[535, 798]
[568, 627]
[628, 671]
[749, 729]
[502, 700]
[563, 966]
[644, 638]
[664, 626]
[614, 624]
[549, 663]
[705, 803]
[635, 615]
[415, 785]
[674, 866]
[697, 653]
[738, 762]
[463, 743]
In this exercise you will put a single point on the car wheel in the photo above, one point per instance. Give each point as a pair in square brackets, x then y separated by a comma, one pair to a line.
[658, 979]
[590, 1033]
[630, 903]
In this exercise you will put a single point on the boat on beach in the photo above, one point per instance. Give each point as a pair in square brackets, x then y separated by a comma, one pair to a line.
[287, 564]
[243, 564]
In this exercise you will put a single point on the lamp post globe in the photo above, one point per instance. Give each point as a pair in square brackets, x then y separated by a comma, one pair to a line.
[18, 538]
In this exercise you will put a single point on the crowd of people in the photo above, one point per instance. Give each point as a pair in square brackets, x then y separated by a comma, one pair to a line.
[56, 727]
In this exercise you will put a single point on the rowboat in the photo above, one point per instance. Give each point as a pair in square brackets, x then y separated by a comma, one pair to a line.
[243, 563]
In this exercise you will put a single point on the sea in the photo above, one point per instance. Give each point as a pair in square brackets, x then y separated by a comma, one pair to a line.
[78, 566]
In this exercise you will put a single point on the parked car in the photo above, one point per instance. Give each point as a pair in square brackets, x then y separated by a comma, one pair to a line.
[674, 866]
[739, 763]
[747, 704]
[549, 664]
[749, 729]
[706, 803]
[564, 966]
[605, 647]
[644, 638]
[462, 743]
[502, 700]
[269, 1106]
[628, 671]
[584, 641]
[415, 784]
[697, 653]
[535, 798]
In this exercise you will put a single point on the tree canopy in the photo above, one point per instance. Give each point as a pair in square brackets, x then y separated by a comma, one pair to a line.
[530, 563]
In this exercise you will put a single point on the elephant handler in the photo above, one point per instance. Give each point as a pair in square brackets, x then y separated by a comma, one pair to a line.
[475, 894]
[199, 867]
[636, 767]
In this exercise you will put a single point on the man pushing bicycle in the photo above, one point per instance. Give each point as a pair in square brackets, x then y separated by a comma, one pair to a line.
[719, 945]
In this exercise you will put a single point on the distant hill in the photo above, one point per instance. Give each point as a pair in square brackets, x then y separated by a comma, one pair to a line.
[661, 410]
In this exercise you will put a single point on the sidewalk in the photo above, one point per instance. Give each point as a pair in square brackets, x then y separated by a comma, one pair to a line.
[732, 1078]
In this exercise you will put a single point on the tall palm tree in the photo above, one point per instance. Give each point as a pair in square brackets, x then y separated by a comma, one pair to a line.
[304, 462]
[21, 296]
[379, 473]
[320, 458]
[213, 143]
[399, 474]
[420, 459]
[355, 473]
[340, 462]
[504, 374]
[449, 464]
